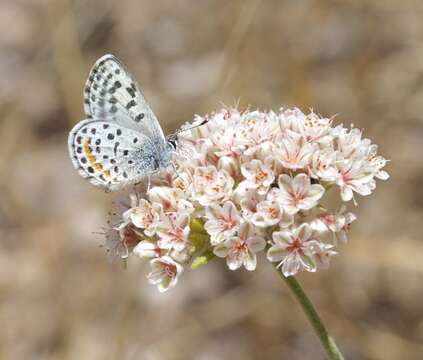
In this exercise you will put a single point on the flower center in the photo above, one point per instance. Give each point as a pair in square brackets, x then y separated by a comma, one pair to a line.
[295, 245]
[131, 238]
[169, 270]
[346, 177]
[261, 175]
[241, 247]
[296, 198]
[274, 213]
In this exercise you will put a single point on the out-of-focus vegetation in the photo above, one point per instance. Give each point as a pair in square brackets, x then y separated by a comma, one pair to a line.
[60, 298]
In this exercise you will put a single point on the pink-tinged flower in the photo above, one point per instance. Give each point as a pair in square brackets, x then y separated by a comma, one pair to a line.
[148, 250]
[322, 165]
[192, 151]
[222, 221]
[144, 216]
[228, 142]
[211, 185]
[257, 176]
[376, 163]
[323, 254]
[183, 182]
[290, 119]
[170, 199]
[353, 176]
[269, 213]
[164, 272]
[121, 235]
[350, 144]
[294, 249]
[129, 238]
[294, 151]
[298, 193]
[241, 250]
[341, 235]
[248, 200]
[260, 131]
[115, 245]
[230, 165]
[316, 129]
[337, 223]
[173, 230]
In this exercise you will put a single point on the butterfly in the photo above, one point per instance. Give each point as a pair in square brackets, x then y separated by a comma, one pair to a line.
[120, 142]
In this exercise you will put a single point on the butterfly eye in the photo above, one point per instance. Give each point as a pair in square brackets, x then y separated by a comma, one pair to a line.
[172, 141]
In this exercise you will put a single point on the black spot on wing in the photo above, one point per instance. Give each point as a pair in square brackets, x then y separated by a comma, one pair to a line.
[139, 117]
[131, 91]
[131, 104]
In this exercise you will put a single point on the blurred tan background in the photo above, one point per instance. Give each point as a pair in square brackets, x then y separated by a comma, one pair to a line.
[60, 298]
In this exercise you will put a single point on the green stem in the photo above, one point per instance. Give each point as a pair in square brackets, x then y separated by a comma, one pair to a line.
[327, 341]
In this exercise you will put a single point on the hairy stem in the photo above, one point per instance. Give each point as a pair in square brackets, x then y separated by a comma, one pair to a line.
[326, 340]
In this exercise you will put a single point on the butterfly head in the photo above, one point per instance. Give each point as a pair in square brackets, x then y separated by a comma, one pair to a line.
[172, 142]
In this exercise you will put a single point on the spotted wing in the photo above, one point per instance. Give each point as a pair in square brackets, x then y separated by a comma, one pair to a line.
[110, 155]
[111, 94]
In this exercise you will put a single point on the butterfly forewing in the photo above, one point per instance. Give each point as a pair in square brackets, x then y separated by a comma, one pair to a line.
[110, 155]
[111, 94]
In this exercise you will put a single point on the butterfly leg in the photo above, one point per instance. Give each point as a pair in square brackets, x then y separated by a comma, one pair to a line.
[148, 184]
[175, 169]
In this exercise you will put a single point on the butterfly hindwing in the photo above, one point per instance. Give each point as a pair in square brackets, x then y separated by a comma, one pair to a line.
[111, 94]
[110, 155]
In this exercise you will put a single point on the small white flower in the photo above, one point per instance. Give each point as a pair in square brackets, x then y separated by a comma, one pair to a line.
[337, 223]
[211, 185]
[260, 131]
[241, 250]
[173, 231]
[323, 254]
[223, 221]
[129, 237]
[376, 163]
[228, 142]
[294, 151]
[183, 182]
[170, 199]
[316, 129]
[350, 145]
[269, 212]
[230, 165]
[298, 193]
[164, 272]
[148, 250]
[294, 249]
[115, 245]
[353, 176]
[248, 199]
[144, 216]
[342, 234]
[322, 165]
[257, 176]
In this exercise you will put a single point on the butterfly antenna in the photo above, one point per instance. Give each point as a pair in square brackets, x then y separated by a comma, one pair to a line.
[205, 121]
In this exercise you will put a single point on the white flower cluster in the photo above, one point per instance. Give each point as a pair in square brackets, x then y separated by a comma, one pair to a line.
[246, 182]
